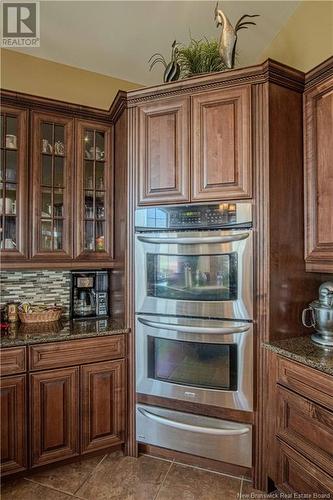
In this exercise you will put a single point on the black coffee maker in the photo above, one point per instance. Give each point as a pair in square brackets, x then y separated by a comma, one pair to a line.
[89, 294]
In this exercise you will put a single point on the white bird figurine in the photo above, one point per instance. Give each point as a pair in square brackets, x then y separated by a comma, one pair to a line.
[228, 38]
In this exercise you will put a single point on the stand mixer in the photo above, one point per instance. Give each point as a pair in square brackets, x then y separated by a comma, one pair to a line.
[320, 316]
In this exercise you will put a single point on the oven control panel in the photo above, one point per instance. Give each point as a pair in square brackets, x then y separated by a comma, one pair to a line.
[194, 217]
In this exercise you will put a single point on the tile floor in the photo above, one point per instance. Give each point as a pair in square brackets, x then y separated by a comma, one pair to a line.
[115, 476]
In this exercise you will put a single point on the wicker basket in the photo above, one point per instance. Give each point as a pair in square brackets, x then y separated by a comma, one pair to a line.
[41, 316]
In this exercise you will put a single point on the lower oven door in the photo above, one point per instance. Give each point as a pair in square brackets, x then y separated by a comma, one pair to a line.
[204, 436]
[204, 361]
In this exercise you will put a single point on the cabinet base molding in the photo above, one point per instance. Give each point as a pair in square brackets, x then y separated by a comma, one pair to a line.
[204, 463]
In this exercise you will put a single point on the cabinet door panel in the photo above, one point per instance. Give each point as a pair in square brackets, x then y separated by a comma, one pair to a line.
[221, 145]
[94, 188]
[52, 187]
[103, 404]
[13, 424]
[163, 152]
[54, 415]
[13, 185]
[299, 475]
[318, 119]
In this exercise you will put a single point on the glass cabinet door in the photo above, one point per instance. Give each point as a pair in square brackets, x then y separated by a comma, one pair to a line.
[13, 184]
[52, 186]
[94, 188]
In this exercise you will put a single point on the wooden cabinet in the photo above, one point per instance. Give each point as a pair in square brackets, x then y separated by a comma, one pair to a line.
[304, 429]
[103, 404]
[318, 164]
[73, 396]
[54, 415]
[13, 424]
[219, 166]
[163, 169]
[13, 185]
[94, 188]
[52, 187]
[299, 475]
[221, 144]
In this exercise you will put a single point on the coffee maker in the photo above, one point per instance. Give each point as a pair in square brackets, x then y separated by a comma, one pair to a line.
[89, 294]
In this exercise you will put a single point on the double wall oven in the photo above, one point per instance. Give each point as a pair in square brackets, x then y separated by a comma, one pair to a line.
[194, 312]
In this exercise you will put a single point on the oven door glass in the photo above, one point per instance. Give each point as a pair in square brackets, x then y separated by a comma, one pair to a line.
[197, 364]
[192, 277]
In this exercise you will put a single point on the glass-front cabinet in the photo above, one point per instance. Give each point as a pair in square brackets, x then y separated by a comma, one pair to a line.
[52, 186]
[13, 184]
[94, 191]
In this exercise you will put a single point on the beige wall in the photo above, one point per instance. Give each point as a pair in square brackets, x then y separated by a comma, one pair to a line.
[33, 75]
[307, 38]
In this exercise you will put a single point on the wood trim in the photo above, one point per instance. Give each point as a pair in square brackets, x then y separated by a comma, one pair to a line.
[13, 360]
[67, 251]
[319, 73]
[131, 444]
[44, 449]
[45, 104]
[79, 252]
[76, 352]
[198, 409]
[62, 265]
[204, 463]
[15, 425]
[21, 253]
[269, 71]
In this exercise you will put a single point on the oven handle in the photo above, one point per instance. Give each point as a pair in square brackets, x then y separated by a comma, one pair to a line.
[193, 428]
[194, 329]
[193, 241]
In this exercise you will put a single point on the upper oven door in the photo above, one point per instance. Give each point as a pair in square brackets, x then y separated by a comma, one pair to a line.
[201, 274]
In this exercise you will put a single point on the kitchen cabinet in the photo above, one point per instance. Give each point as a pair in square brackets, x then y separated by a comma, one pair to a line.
[94, 188]
[221, 144]
[163, 157]
[52, 187]
[304, 429]
[103, 404]
[56, 184]
[219, 166]
[318, 161]
[13, 185]
[13, 424]
[73, 393]
[54, 415]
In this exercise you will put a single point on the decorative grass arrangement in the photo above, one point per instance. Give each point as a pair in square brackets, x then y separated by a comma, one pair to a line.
[200, 56]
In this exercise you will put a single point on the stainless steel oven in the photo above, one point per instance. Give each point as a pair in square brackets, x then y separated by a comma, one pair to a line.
[195, 261]
[199, 360]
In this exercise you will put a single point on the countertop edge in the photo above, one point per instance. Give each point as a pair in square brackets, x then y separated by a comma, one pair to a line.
[303, 359]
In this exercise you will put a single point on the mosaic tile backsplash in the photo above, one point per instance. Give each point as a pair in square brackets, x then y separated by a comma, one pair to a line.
[36, 287]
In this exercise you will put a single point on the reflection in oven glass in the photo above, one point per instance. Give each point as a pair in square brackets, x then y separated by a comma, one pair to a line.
[195, 364]
[192, 277]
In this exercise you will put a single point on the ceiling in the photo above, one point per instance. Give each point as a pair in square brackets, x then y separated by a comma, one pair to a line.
[117, 37]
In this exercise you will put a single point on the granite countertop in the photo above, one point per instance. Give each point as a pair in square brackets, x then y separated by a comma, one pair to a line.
[38, 333]
[305, 351]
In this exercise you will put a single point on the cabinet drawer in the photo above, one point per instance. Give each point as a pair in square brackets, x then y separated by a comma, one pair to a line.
[306, 381]
[76, 352]
[307, 427]
[13, 360]
[299, 475]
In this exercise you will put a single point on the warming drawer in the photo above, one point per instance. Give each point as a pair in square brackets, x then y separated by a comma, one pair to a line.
[203, 436]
